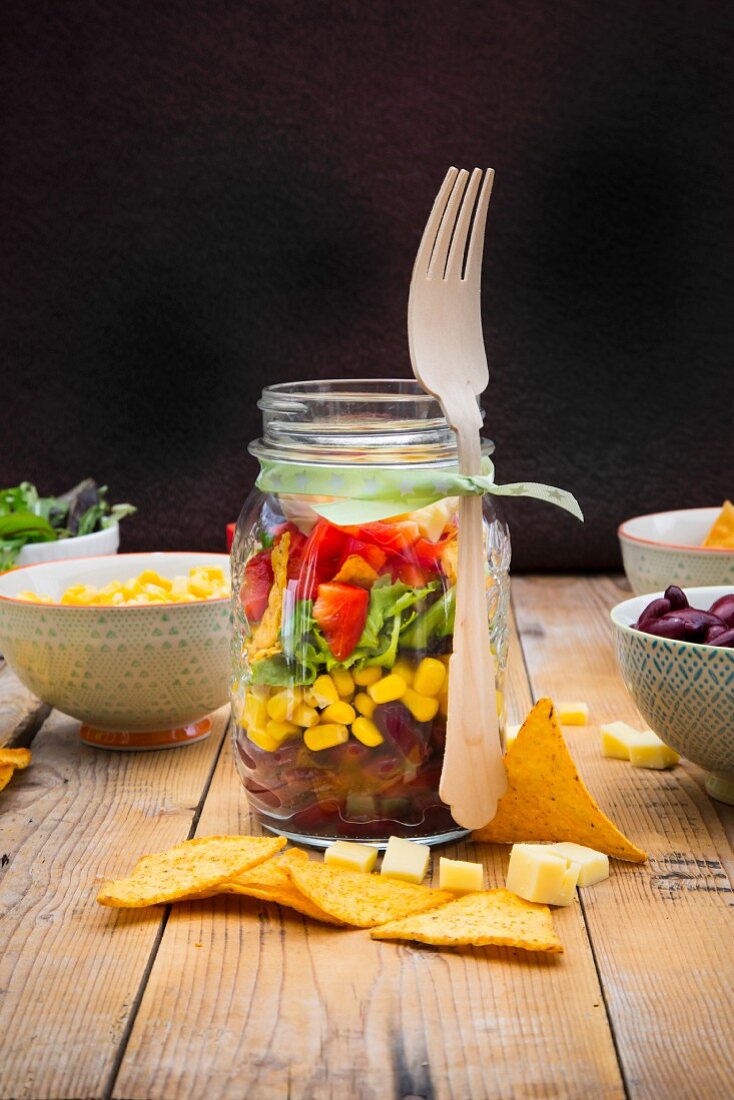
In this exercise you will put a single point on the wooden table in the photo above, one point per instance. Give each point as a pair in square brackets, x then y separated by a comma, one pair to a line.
[232, 998]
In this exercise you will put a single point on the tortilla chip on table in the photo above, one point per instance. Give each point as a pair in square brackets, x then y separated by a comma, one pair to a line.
[546, 799]
[189, 868]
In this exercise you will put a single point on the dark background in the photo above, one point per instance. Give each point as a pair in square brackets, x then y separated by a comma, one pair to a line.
[201, 198]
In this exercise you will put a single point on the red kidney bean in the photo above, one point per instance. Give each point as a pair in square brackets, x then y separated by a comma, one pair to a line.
[725, 639]
[652, 612]
[724, 608]
[678, 598]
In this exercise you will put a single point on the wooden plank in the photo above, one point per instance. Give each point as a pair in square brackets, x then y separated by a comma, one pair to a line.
[21, 713]
[662, 932]
[246, 1000]
[70, 971]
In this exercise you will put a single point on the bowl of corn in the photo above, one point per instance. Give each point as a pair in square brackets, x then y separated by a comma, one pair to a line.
[135, 646]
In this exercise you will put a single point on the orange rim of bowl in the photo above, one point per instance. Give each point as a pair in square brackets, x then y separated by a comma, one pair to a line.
[116, 606]
[622, 534]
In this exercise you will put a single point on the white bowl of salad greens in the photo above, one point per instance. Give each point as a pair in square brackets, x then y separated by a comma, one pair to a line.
[77, 524]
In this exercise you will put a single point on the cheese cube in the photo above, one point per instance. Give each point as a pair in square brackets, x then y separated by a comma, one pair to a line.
[653, 755]
[573, 714]
[351, 857]
[593, 866]
[459, 876]
[511, 733]
[642, 748]
[405, 860]
[537, 874]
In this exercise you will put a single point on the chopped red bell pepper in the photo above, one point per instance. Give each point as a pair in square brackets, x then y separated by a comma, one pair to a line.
[340, 611]
[256, 585]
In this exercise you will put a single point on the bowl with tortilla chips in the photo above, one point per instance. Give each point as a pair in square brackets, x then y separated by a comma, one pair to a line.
[136, 646]
[692, 546]
[684, 690]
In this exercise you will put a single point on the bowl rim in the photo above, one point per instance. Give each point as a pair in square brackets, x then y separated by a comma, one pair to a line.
[649, 597]
[685, 546]
[14, 601]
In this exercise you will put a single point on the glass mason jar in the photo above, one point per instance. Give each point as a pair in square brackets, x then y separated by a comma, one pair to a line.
[342, 633]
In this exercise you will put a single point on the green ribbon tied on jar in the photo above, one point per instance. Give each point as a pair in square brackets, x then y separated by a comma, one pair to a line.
[364, 494]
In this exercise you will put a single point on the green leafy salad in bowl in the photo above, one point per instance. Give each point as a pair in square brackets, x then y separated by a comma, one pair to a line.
[28, 518]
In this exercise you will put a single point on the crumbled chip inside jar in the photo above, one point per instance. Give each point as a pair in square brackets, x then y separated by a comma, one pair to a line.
[204, 582]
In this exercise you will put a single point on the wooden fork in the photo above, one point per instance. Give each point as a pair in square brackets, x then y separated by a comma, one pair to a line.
[449, 361]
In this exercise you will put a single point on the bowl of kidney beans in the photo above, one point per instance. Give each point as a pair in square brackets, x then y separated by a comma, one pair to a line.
[675, 652]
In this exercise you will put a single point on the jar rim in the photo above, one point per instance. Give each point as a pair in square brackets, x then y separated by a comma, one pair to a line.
[380, 421]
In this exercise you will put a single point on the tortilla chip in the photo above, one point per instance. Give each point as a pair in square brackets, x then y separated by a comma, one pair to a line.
[6, 774]
[495, 917]
[17, 758]
[356, 571]
[266, 634]
[194, 866]
[721, 535]
[362, 900]
[269, 881]
[546, 798]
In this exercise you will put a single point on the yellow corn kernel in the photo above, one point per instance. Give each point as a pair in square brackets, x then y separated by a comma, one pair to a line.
[263, 740]
[148, 576]
[340, 712]
[388, 689]
[255, 712]
[280, 730]
[80, 595]
[344, 682]
[324, 691]
[282, 704]
[327, 736]
[363, 677]
[364, 704]
[404, 669]
[367, 732]
[154, 590]
[500, 699]
[304, 715]
[422, 707]
[429, 677]
[200, 586]
[179, 587]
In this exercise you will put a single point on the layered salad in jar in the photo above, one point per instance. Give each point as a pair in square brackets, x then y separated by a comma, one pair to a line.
[342, 642]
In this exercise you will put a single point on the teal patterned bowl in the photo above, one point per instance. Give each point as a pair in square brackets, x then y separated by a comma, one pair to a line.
[683, 690]
[137, 677]
[665, 548]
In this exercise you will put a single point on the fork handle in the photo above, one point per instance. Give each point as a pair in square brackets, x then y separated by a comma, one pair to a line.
[473, 778]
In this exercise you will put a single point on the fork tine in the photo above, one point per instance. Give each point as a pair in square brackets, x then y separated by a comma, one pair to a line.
[473, 269]
[455, 261]
[428, 240]
[446, 229]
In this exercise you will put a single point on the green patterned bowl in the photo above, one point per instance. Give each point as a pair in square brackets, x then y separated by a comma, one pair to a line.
[137, 677]
[683, 690]
[665, 548]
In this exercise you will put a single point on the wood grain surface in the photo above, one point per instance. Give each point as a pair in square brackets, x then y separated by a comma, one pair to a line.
[232, 998]
[71, 971]
[663, 931]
